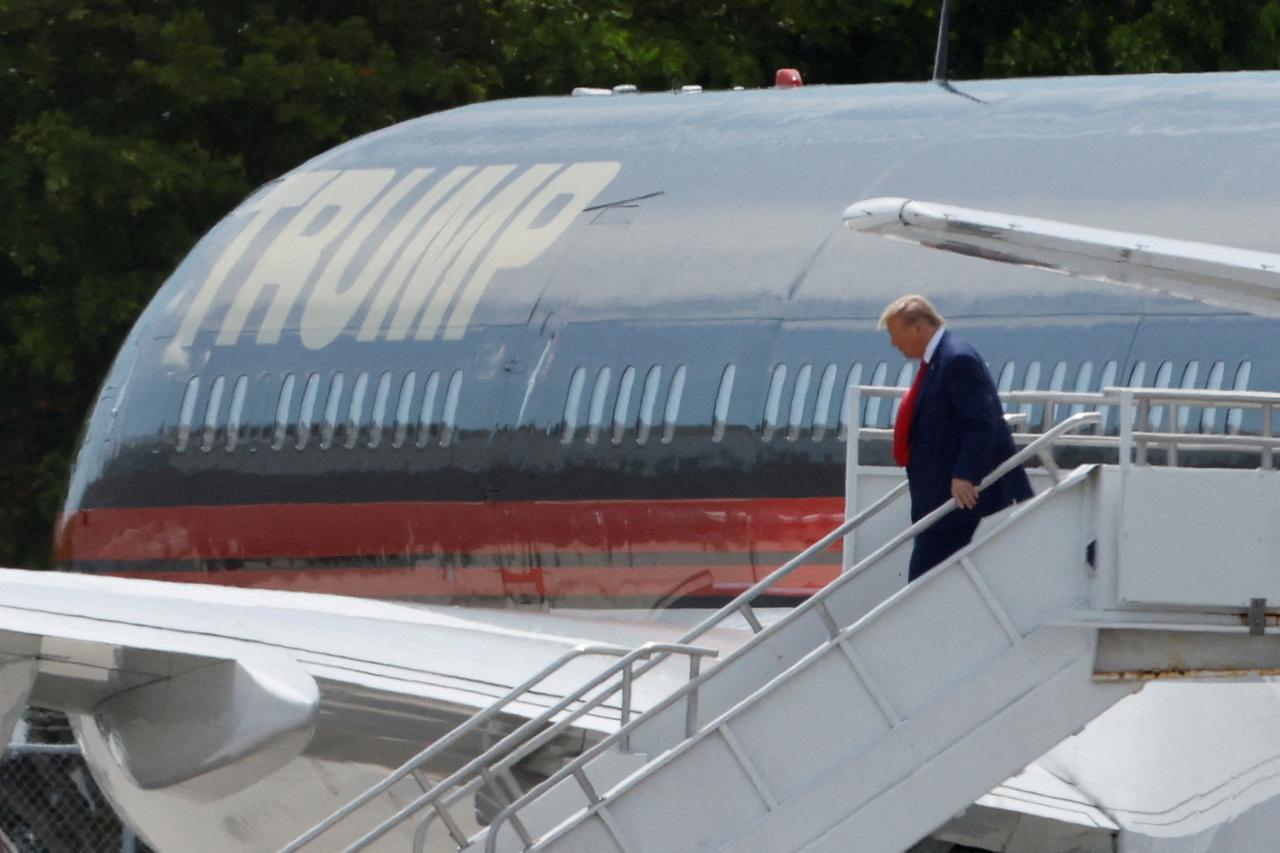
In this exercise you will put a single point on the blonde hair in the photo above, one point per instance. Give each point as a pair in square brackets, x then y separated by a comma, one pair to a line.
[912, 308]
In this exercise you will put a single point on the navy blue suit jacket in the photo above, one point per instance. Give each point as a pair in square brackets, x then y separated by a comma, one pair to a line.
[958, 430]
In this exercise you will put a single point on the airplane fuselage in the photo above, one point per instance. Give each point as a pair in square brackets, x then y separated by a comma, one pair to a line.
[593, 352]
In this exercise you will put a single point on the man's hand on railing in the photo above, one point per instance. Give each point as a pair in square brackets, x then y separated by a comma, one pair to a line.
[965, 493]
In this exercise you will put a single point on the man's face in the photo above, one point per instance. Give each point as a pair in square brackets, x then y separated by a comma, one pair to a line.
[910, 339]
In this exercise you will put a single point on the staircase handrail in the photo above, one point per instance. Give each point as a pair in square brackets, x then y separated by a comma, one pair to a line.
[817, 601]
[626, 658]
[518, 740]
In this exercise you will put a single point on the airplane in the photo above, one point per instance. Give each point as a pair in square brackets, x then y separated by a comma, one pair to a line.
[534, 373]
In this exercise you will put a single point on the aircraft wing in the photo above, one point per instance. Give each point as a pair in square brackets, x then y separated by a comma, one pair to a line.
[1240, 279]
[210, 688]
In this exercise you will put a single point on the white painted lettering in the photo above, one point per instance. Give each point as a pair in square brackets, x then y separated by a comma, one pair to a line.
[330, 309]
[520, 243]
[432, 263]
[403, 235]
[292, 191]
[480, 227]
[430, 251]
[288, 262]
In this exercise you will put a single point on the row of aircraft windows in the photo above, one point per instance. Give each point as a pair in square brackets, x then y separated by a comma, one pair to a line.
[815, 406]
[344, 422]
[347, 422]
[620, 417]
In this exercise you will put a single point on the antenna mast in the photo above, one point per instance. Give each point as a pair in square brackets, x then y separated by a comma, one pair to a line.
[940, 56]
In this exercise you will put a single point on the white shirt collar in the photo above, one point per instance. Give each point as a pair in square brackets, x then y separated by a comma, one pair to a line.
[933, 344]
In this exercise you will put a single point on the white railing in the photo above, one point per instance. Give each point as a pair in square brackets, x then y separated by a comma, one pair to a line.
[493, 767]
[1160, 418]
[818, 602]
[1041, 420]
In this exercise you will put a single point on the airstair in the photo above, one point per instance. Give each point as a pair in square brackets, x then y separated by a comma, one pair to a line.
[857, 724]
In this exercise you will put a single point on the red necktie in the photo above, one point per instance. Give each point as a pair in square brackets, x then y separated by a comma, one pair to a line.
[902, 425]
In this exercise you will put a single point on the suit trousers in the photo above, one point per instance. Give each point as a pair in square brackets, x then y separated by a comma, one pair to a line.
[952, 532]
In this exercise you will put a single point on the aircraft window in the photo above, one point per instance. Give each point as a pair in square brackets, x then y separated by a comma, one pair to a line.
[427, 412]
[211, 414]
[187, 412]
[1031, 382]
[854, 380]
[674, 395]
[403, 407]
[1235, 417]
[1137, 376]
[720, 416]
[905, 374]
[331, 410]
[872, 417]
[377, 422]
[799, 396]
[1083, 377]
[623, 403]
[648, 399]
[571, 404]
[450, 414]
[282, 412]
[1189, 375]
[822, 406]
[1164, 374]
[306, 415]
[1059, 377]
[1109, 371]
[307, 412]
[773, 402]
[1209, 417]
[595, 414]
[356, 409]
[1005, 383]
[236, 415]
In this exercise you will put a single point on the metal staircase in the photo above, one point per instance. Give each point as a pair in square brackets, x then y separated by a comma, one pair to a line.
[849, 726]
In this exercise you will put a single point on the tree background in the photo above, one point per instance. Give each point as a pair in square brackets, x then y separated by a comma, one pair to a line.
[128, 127]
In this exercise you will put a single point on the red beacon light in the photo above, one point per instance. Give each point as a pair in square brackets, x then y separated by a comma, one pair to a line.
[787, 78]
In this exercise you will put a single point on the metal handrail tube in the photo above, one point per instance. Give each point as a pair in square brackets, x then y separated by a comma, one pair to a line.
[480, 717]
[1236, 399]
[1074, 422]
[1088, 398]
[1110, 395]
[524, 729]
[747, 595]
[440, 806]
[1206, 439]
[1071, 423]
[744, 598]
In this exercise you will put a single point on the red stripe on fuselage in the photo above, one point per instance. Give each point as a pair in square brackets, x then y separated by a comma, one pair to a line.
[553, 549]
[579, 528]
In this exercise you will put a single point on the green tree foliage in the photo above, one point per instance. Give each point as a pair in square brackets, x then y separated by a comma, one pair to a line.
[129, 126]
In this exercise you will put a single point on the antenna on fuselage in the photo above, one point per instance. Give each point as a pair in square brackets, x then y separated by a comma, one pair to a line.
[940, 55]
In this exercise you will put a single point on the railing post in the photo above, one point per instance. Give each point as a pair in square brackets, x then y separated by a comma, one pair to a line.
[1126, 428]
[1144, 423]
[1269, 415]
[691, 706]
[627, 677]
[853, 410]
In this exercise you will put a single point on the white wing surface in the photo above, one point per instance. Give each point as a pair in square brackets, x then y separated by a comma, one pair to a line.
[1240, 279]
[223, 718]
